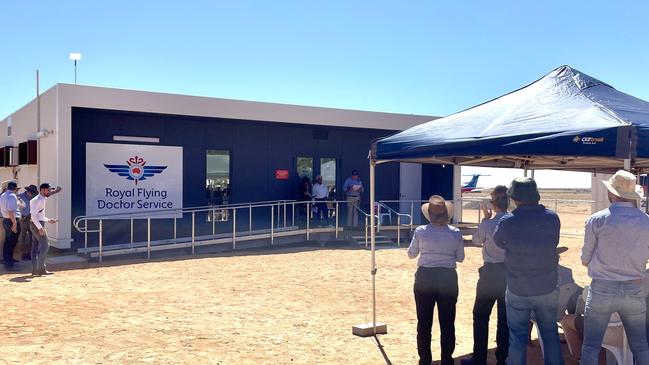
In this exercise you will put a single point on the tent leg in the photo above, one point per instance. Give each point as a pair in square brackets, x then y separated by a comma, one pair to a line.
[372, 329]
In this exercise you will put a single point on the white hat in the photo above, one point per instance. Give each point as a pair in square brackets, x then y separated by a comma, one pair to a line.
[622, 184]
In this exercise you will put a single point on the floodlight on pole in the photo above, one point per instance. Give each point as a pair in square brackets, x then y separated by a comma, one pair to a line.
[75, 57]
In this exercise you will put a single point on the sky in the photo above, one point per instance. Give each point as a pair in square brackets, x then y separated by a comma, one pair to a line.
[421, 57]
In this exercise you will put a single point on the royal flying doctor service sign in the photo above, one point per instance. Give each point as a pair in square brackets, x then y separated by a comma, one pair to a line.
[125, 178]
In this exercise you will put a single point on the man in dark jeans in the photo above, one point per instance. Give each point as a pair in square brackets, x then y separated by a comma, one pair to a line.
[10, 209]
[530, 236]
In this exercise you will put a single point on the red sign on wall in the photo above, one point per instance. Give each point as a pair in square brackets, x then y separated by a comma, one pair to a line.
[281, 174]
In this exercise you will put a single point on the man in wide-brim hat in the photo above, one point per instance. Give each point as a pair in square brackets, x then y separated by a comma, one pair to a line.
[616, 250]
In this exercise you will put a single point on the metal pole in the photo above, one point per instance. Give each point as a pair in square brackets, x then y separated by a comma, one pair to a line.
[75, 72]
[175, 228]
[85, 234]
[272, 226]
[38, 128]
[556, 205]
[366, 234]
[131, 231]
[308, 218]
[148, 238]
[101, 241]
[398, 231]
[284, 214]
[337, 219]
[293, 213]
[250, 218]
[193, 230]
[373, 243]
[234, 228]
[412, 213]
[213, 223]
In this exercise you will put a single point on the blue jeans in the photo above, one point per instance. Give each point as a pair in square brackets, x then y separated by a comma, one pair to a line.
[519, 310]
[628, 300]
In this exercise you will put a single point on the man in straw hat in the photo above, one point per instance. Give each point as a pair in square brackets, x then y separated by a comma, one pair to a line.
[530, 236]
[439, 246]
[616, 250]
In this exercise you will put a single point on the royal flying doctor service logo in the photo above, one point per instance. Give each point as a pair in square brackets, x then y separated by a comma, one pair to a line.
[135, 169]
[588, 140]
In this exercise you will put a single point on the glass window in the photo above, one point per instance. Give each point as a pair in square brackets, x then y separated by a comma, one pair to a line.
[305, 167]
[328, 172]
[218, 177]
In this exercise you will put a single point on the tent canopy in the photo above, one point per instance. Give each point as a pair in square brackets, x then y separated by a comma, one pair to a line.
[565, 120]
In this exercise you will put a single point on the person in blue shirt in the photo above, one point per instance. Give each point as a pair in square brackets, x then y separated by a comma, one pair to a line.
[439, 246]
[616, 250]
[353, 187]
[530, 236]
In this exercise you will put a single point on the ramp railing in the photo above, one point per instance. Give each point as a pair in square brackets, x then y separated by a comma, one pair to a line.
[232, 223]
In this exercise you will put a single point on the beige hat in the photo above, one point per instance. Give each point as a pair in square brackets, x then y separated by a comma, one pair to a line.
[439, 206]
[622, 184]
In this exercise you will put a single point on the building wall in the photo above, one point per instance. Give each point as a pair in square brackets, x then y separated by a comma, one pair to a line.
[56, 150]
[24, 127]
[257, 149]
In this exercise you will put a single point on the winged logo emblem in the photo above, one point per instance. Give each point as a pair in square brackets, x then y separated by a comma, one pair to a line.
[135, 169]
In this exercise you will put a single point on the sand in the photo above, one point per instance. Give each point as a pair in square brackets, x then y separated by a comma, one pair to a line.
[286, 306]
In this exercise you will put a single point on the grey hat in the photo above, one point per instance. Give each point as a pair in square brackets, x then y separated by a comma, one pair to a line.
[523, 189]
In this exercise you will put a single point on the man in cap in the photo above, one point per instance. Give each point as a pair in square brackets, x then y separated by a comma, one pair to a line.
[616, 250]
[353, 187]
[530, 236]
[40, 245]
[24, 247]
[10, 209]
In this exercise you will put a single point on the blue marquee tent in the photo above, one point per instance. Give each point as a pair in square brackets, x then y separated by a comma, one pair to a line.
[565, 120]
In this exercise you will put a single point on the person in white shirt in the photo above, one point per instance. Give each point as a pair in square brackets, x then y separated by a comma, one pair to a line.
[40, 245]
[320, 195]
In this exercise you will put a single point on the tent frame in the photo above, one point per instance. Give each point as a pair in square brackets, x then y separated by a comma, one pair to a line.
[609, 165]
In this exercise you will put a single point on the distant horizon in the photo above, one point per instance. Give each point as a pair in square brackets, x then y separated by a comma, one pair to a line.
[545, 179]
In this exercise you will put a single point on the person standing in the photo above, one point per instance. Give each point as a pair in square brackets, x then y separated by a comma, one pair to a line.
[616, 250]
[40, 244]
[530, 236]
[353, 187]
[439, 246]
[491, 284]
[320, 194]
[24, 247]
[10, 209]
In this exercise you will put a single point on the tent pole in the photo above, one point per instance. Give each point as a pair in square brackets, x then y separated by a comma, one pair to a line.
[373, 239]
[532, 174]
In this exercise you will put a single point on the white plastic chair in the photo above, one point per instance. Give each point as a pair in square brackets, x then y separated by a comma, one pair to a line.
[616, 343]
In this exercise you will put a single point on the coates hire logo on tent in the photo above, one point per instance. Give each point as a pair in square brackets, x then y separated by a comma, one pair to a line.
[135, 169]
[588, 140]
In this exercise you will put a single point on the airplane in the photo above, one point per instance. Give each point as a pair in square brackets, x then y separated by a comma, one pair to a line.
[472, 185]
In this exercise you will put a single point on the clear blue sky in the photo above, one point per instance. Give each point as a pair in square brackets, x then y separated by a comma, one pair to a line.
[424, 57]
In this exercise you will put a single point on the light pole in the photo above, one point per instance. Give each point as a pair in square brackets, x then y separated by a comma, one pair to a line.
[75, 57]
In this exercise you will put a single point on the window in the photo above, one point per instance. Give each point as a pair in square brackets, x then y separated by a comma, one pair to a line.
[328, 172]
[218, 177]
[305, 167]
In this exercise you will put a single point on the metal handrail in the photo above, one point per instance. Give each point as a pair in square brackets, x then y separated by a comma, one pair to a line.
[383, 205]
[81, 223]
[158, 212]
